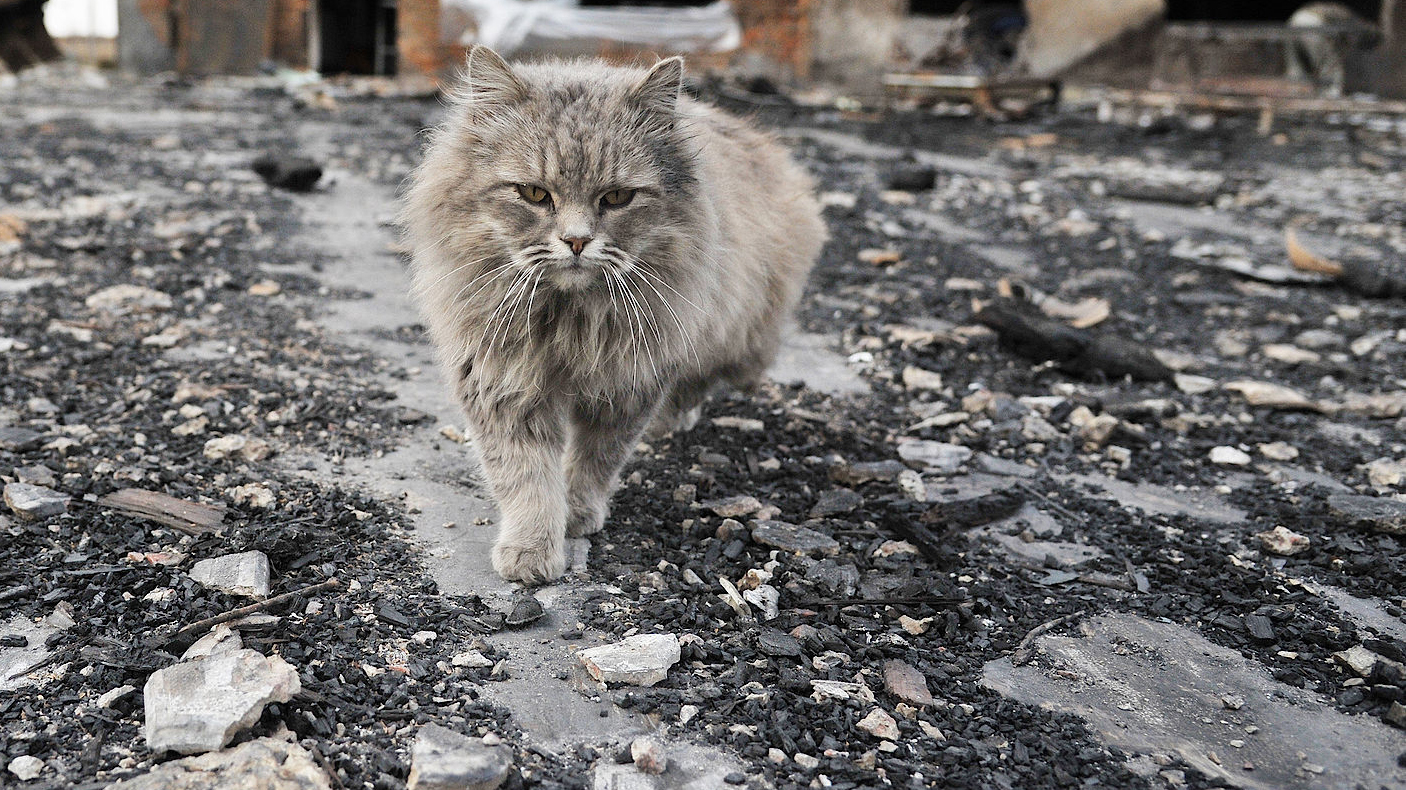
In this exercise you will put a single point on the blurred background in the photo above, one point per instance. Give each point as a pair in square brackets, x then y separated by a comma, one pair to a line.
[982, 53]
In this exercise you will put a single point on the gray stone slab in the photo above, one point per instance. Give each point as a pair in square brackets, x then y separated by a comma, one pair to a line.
[1146, 686]
[689, 768]
[1160, 500]
[443, 759]
[1365, 612]
[16, 661]
[809, 359]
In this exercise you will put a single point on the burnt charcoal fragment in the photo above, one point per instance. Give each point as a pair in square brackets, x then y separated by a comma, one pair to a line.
[911, 176]
[293, 173]
[973, 512]
[1374, 279]
[1079, 351]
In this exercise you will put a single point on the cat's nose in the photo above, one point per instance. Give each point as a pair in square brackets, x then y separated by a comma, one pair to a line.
[577, 243]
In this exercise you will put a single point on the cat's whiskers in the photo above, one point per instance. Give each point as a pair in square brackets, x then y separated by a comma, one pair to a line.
[639, 268]
[517, 302]
[496, 318]
[610, 284]
[641, 314]
[454, 271]
[467, 304]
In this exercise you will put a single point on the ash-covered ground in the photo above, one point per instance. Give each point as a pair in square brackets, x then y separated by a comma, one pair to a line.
[945, 557]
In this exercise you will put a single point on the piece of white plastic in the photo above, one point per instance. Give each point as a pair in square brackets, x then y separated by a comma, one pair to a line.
[510, 26]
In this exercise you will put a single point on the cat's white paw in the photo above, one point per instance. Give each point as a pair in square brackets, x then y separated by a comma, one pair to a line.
[670, 422]
[585, 521]
[529, 564]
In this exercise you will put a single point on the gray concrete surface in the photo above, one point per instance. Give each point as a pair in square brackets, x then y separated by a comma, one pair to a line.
[1155, 687]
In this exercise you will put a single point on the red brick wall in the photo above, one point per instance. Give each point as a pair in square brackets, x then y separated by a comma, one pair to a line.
[780, 31]
[418, 39]
[288, 42]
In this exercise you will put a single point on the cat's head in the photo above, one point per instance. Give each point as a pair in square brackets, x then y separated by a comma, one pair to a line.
[569, 169]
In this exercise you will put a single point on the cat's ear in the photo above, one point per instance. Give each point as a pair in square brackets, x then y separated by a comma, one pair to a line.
[660, 88]
[489, 81]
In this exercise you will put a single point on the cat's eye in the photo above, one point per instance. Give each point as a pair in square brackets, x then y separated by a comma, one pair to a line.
[616, 198]
[534, 194]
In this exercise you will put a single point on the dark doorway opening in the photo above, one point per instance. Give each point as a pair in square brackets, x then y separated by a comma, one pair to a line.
[1255, 10]
[356, 37]
[937, 7]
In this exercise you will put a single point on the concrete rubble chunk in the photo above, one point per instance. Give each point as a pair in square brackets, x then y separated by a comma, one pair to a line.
[1274, 396]
[906, 683]
[640, 660]
[472, 659]
[200, 705]
[1283, 541]
[31, 502]
[1358, 660]
[648, 755]
[221, 639]
[26, 767]
[733, 506]
[446, 760]
[1396, 714]
[242, 446]
[110, 698]
[246, 573]
[915, 378]
[129, 298]
[1373, 512]
[789, 537]
[863, 472]
[262, 764]
[880, 725]
[1386, 472]
[1229, 456]
[19, 439]
[934, 456]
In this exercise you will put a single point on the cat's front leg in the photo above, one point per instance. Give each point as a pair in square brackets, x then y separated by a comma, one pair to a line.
[520, 443]
[604, 433]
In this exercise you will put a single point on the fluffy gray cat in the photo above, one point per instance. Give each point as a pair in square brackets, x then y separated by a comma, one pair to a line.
[593, 251]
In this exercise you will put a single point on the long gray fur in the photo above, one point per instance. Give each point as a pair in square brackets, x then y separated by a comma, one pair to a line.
[561, 360]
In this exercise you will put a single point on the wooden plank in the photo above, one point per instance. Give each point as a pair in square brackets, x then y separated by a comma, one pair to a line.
[192, 518]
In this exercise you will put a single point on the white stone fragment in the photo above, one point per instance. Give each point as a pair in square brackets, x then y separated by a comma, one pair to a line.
[221, 639]
[1194, 385]
[472, 659]
[1284, 542]
[649, 755]
[26, 767]
[1229, 456]
[640, 660]
[126, 298]
[107, 699]
[31, 502]
[915, 378]
[261, 764]
[1386, 472]
[765, 598]
[228, 446]
[1279, 451]
[246, 573]
[200, 705]
[880, 725]
[936, 456]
